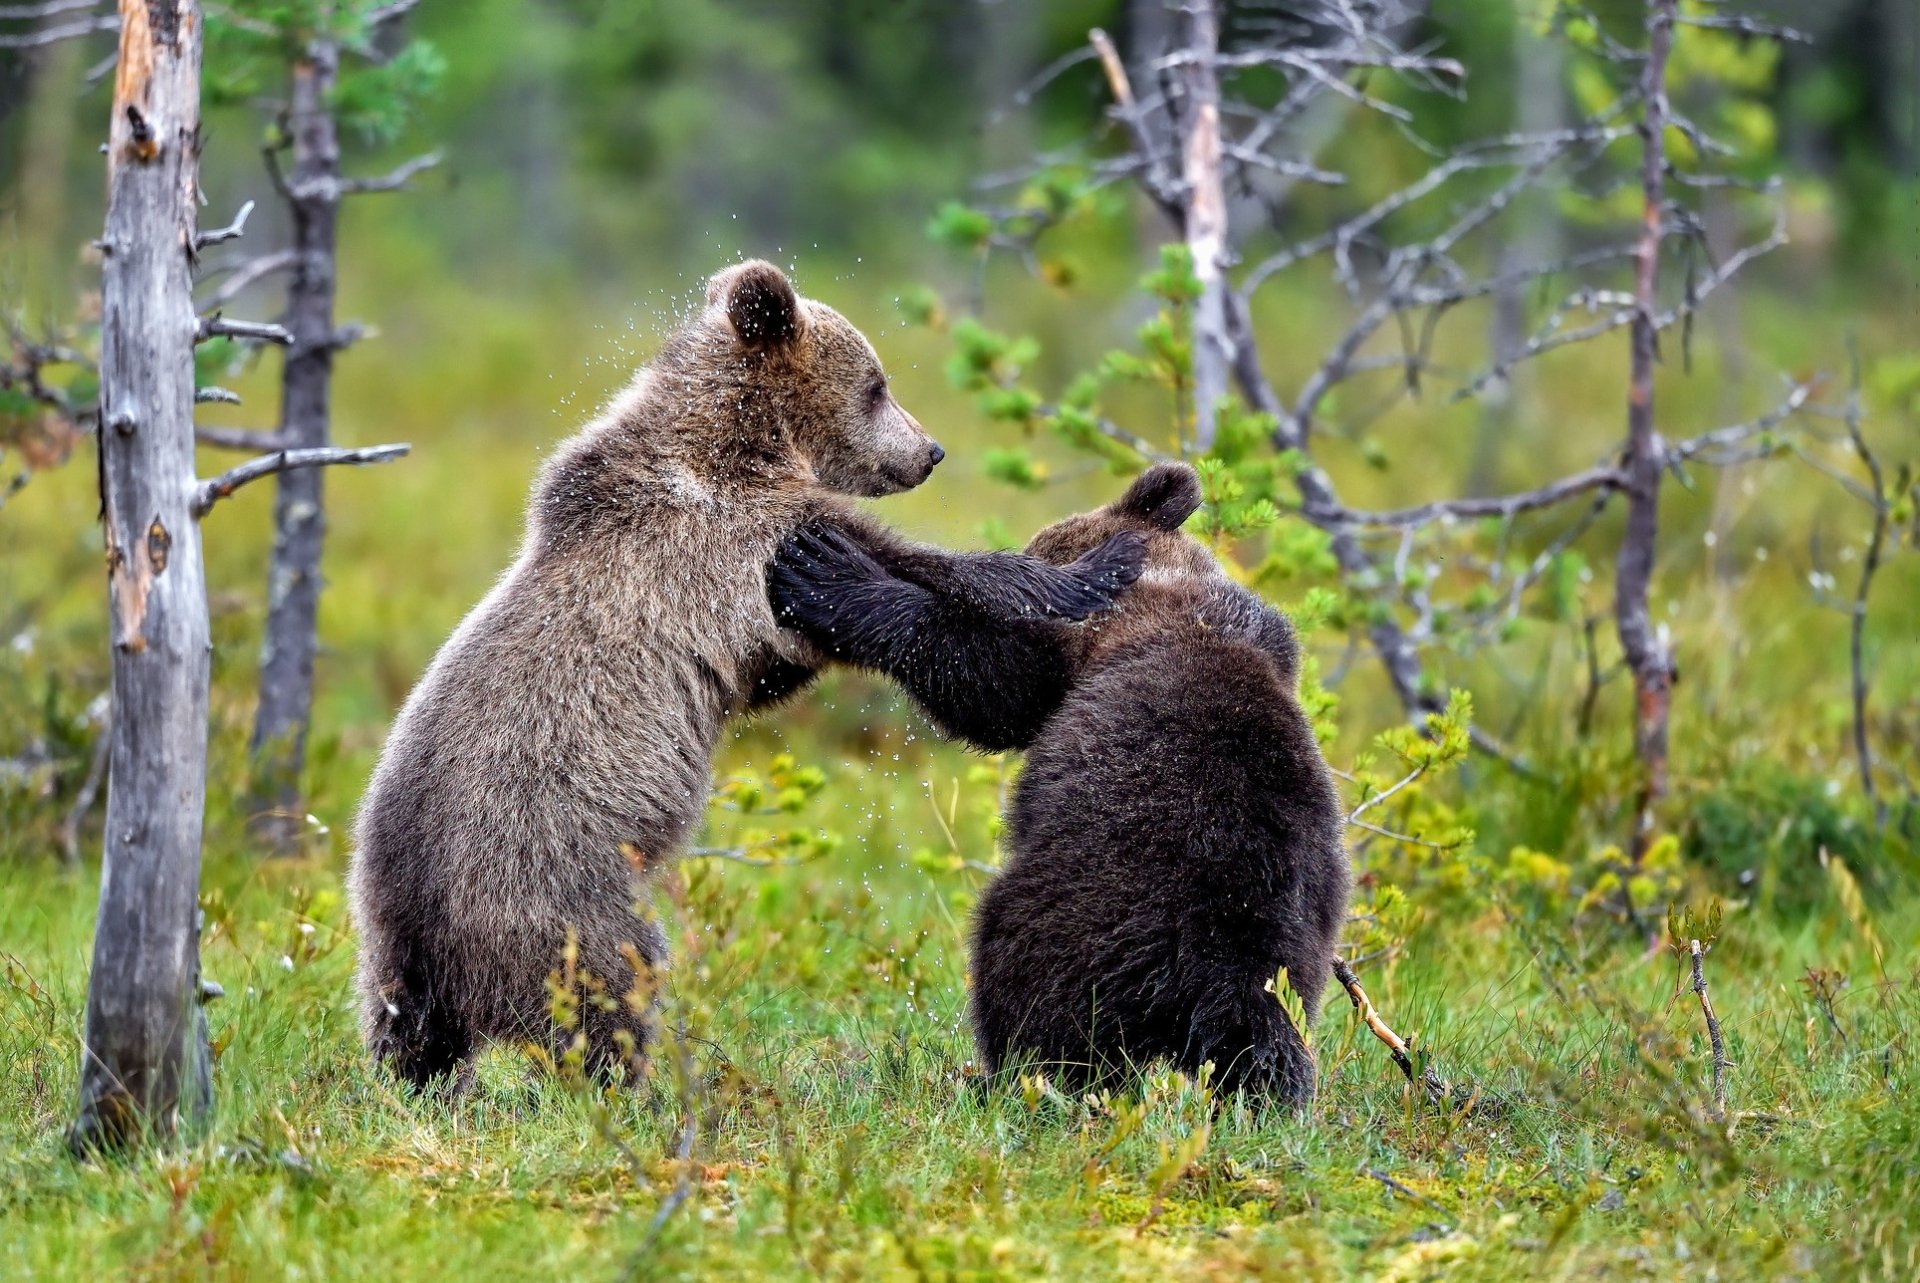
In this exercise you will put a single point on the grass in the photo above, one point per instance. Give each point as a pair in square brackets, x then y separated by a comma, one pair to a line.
[843, 1132]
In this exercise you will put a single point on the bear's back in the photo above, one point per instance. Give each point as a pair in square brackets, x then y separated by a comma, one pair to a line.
[577, 706]
[1174, 836]
[1177, 751]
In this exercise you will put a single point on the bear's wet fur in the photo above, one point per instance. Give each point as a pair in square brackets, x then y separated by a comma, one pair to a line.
[559, 745]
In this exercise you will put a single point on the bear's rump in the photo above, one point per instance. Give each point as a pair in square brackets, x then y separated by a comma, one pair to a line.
[1174, 834]
[1174, 767]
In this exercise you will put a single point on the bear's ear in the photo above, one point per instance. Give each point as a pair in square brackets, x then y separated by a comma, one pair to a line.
[760, 302]
[1165, 495]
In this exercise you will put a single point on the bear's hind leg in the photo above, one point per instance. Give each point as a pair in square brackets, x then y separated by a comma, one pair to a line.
[421, 1041]
[1253, 1046]
[623, 958]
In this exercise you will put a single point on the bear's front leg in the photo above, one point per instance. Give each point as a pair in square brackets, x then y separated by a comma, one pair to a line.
[991, 680]
[1008, 585]
[1000, 585]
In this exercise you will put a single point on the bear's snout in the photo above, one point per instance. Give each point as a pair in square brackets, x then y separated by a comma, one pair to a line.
[934, 455]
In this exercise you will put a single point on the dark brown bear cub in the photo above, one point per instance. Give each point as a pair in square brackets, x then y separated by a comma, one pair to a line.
[1175, 837]
[560, 743]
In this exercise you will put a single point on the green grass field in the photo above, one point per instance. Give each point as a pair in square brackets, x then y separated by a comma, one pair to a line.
[839, 1129]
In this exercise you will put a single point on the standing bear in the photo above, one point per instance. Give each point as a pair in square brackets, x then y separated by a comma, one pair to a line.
[560, 743]
[1174, 838]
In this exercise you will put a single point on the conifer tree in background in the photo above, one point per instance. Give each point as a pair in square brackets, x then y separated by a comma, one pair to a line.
[348, 67]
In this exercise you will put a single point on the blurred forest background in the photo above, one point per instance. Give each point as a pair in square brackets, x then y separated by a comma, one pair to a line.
[601, 161]
[598, 163]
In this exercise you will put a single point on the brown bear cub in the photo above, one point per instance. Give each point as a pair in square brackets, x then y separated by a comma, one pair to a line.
[1175, 837]
[560, 743]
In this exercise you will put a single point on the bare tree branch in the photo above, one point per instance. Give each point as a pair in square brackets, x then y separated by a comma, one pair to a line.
[45, 9]
[1879, 499]
[232, 231]
[1705, 446]
[388, 12]
[1509, 505]
[1385, 793]
[54, 35]
[1320, 61]
[1113, 432]
[213, 326]
[246, 274]
[1042, 79]
[1743, 25]
[210, 492]
[1406, 281]
[392, 181]
[745, 855]
[345, 336]
[1405, 839]
[22, 373]
[1153, 175]
[1404, 265]
[89, 789]
[1696, 955]
[1485, 742]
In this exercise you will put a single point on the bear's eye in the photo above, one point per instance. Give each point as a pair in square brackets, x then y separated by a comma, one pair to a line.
[876, 393]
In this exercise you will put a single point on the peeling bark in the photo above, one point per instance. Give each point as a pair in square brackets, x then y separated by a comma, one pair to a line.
[144, 1061]
[1205, 225]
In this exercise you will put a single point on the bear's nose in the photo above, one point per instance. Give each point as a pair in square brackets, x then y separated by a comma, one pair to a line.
[936, 454]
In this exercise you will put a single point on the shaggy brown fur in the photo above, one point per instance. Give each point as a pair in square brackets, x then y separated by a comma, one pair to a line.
[1174, 837]
[562, 737]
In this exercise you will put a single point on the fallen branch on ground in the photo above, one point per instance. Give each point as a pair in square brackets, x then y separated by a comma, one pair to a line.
[1696, 953]
[1459, 1095]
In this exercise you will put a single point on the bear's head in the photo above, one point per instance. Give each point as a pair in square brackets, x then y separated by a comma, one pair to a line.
[1181, 581]
[1156, 505]
[810, 375]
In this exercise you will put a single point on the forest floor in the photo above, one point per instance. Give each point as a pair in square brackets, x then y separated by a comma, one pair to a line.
[840, 1129]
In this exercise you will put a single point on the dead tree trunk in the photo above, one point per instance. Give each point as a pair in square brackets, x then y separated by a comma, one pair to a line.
[1228, 350]
[312, 191]
[1205, 203]
[143, 1059]
[1645, 648]
[1325, 52]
